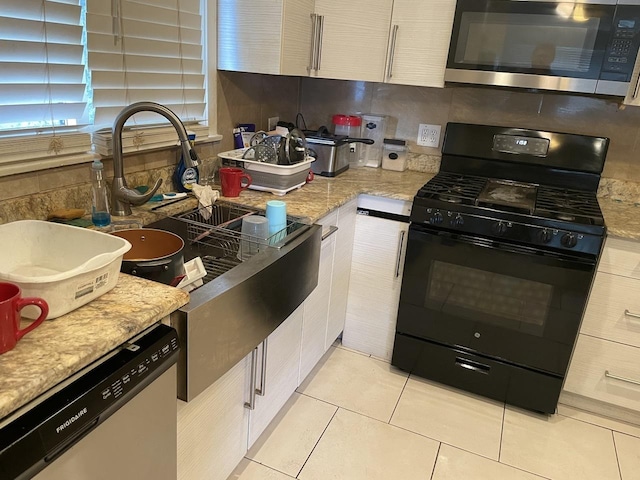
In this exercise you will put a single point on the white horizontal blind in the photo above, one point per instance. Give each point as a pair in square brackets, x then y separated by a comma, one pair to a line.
[41, 64]
[145, 50]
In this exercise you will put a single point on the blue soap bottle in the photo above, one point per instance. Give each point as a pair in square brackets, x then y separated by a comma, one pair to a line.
[184, 177]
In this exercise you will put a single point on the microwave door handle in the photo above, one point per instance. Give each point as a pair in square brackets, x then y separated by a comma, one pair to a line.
[637, 87]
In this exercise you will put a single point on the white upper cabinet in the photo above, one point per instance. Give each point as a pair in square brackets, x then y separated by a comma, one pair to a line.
[353, 38]
[419, 42]
[265, 36]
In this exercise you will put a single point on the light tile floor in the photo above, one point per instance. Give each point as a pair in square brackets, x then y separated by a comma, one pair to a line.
[358, 418]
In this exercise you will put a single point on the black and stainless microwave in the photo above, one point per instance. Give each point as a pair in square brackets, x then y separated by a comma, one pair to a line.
[577, 46]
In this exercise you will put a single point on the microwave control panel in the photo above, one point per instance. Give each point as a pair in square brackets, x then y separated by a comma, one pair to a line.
[620, 55]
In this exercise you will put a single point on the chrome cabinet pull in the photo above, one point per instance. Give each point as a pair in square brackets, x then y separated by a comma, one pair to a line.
[320, 34]
[312, 53]
[251, 404]
[263, 373]
[399, 259]
[392, 50]
[622, 379]
[332, 229]
[631, 314]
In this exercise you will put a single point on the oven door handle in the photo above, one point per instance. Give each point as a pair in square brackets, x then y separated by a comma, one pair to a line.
[501, 246]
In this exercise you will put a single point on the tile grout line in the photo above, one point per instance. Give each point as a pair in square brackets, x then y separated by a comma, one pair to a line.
[615, 449]
[398, 401]
[319, 438]
[504, 412]
[433, 470]
[601, 426]
[269, 467]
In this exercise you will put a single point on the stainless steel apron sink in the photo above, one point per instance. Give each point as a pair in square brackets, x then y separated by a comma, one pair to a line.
[241, 302]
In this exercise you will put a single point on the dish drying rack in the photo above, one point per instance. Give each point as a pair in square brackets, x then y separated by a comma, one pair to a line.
[222, 232]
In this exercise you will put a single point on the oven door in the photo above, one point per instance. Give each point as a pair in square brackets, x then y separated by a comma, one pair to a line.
[495, 299]
[530, 44]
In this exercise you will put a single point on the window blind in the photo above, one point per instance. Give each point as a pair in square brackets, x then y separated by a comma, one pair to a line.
[40, 46]
[145, 50]
[42, 89]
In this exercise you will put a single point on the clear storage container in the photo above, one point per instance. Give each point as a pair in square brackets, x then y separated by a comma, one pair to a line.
[373, 127]
[395, 155]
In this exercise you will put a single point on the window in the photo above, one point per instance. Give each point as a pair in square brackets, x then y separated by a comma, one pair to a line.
[70, 66]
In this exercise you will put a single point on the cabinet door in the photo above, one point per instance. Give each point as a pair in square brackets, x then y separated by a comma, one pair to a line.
[296, 37]
[420, 36]
[249, 35]
[354, 39]
[341, 271]
[374, 287]
[212, 428]
[316, 311]
[281, 379]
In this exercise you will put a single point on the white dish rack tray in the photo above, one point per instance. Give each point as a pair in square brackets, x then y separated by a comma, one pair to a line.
[267, 177]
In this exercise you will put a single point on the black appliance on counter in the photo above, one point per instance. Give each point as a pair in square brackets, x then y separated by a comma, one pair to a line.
[502, 250]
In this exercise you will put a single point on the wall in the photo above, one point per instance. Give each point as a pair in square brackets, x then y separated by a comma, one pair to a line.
[410, 106]
[242, 98]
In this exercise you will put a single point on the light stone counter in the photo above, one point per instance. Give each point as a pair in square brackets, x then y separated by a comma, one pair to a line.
[59, 348]
[621, 218]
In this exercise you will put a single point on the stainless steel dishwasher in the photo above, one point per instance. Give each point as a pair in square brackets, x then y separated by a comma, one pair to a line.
[241, 302]
[116, 418]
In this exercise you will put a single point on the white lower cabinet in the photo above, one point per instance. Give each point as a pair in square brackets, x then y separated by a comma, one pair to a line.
[280, 377]
[212, 428]
[603, 376]
[374, 287]
[216, 429]
[325, 309]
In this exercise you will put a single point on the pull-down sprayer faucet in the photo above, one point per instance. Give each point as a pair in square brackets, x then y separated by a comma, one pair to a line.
[122, 197]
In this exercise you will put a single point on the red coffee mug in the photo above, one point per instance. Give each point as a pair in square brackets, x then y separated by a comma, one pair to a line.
[10, 305]
[231, 181]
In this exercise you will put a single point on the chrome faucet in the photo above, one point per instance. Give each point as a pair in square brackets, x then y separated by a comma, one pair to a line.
[122, 197]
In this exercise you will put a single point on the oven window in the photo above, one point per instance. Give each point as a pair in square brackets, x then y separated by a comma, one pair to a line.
[488, 297]
[563, 42]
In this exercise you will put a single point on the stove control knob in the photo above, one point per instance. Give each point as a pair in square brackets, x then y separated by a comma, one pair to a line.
[500, 228]
[545, 236]
[569, 240]
[457, 221]
[436, 219]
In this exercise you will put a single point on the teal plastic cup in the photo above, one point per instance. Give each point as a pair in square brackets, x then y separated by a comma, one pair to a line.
[277, 215]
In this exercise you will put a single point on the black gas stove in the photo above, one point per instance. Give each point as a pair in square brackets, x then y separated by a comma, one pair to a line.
[502, 250]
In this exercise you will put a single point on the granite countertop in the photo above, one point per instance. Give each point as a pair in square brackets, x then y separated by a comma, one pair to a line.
[59, 348]
[621, 218]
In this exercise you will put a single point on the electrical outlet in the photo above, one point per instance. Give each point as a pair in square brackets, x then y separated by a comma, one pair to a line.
[273, 123]
[429, 135]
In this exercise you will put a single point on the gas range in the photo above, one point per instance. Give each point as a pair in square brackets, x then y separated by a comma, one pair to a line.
[531, 187]
[501, 254]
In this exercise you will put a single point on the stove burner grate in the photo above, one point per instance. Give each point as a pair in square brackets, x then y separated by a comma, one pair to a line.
[453, 188]
[568, 205]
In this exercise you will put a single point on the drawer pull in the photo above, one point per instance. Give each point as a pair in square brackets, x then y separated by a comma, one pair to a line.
[631, 314]
[473, 366]
[622, 379]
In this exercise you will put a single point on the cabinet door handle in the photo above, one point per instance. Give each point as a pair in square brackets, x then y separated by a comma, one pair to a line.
[635, 90]
[622, 379]
[399, 259]
[312, 53]
[330, 231]
[392, 50]
[251, 404]
[263, 372]
[320, 34]
[631, 314]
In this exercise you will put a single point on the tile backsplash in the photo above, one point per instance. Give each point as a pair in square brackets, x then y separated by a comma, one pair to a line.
[409, 106]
